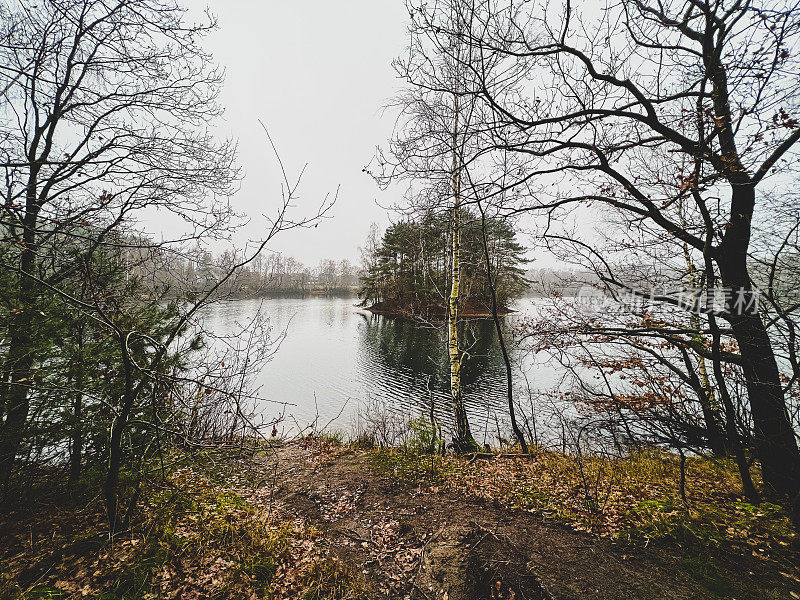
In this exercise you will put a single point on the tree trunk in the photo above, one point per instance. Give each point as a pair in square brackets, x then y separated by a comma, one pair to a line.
[76, 435]
[76, 441]
[4, 374]
[705, 393]
[20, 351]
[716, 440]
[111, 482]
[463, 441]
[735, 441]
[500, 337]
[17, 402]
[776, 445]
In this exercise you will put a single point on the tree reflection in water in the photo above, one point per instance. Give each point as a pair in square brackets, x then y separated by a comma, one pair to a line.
[414, 356]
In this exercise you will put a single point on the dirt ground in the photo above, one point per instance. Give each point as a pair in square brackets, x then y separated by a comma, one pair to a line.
[414, 541]
[429, 542]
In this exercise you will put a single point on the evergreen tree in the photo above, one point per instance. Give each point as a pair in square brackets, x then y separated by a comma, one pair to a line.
[411, 269]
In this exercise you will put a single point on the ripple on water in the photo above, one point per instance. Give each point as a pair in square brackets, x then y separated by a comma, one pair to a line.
[336, 357]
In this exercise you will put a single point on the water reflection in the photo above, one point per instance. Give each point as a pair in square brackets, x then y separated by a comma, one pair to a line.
[413, 360]
[336, 357]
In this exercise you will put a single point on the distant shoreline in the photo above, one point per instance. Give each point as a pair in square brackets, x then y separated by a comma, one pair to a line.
[422, 312]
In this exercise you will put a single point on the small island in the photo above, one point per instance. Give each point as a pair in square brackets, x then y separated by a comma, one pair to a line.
[407, 270]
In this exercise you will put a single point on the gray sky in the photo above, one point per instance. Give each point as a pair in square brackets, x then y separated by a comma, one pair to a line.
[318, 74]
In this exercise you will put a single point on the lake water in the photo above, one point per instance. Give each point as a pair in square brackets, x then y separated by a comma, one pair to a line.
[337, 360]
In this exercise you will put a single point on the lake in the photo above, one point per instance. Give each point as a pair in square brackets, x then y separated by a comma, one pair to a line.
[338, 361]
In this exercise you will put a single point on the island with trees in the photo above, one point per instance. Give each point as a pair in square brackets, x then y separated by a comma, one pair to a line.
[407, 272]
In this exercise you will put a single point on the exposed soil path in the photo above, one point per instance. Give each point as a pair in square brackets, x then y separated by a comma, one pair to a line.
[425, 542]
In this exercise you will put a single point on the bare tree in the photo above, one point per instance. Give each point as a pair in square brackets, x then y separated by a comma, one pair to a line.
[640, 105]
[491, 278]
[428, 150]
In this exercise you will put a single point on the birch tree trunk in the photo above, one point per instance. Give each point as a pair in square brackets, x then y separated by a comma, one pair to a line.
[463, 441]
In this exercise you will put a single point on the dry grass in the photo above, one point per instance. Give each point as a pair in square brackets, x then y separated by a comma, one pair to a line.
[635, 497]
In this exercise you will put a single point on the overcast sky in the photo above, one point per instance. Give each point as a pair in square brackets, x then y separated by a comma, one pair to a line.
[318, 73]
